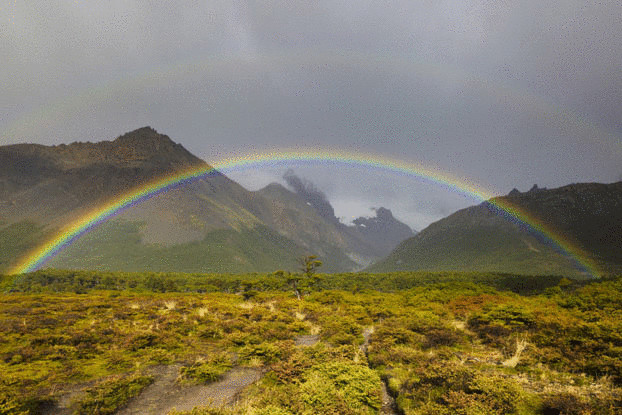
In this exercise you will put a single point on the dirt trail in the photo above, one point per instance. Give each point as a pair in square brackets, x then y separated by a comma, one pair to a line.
[307, 340]
[388, 403]
[63, 406]
[166, 394]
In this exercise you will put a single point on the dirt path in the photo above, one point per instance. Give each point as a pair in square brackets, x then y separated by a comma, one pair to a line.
[166, 394]
[388, 403]
[307, 340]
[63, 406]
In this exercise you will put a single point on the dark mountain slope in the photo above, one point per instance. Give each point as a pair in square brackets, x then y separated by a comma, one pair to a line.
[211, 224]
[590, 214]
[383, 229]
[478, 239]
[300, 219]
[46, 183]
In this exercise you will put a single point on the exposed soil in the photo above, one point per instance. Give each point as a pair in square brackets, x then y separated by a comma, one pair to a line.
[65, 397]
[166, 394]
[388, 403]
[307, 340]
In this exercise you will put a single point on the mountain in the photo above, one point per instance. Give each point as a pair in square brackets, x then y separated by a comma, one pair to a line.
[383, 229]
[589, 215]
[211, 224]
[47, 183]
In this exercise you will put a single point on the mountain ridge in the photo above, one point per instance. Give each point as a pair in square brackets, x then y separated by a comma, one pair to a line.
[44, 187]
[477, 238]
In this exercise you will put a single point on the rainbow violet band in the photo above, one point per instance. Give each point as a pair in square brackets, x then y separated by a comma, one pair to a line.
[43, 253]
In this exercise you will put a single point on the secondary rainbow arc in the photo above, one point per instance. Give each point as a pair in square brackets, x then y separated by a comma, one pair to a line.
[72, 232]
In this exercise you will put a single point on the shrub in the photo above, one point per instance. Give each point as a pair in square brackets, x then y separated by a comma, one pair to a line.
[441, 337]
[10, 405]
[272, 410]
[289, 371]
[266, 352]
[110, 395]
[342, 330]
[564, 404]
[141, 341]
[202, 411]
[341, 387]
[206, 372]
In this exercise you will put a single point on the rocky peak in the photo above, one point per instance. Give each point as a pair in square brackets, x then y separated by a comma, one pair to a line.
[384, 229]
[142, 151]
[384, 214]
[144, 140]
[384, 218]
[143, 147]
[535, 188]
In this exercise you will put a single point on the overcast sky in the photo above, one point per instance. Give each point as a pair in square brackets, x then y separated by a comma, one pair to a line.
[503, 93]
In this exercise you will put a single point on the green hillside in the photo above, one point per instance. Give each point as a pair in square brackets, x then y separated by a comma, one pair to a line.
[494, 248]
[17, 239]
[209, 224]
[479, 238]
[118, 246]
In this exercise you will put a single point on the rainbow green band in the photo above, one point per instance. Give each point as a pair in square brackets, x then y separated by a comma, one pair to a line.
[37, 258]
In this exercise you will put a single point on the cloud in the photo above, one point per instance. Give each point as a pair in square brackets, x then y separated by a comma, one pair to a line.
[310, 194]
[502, 94]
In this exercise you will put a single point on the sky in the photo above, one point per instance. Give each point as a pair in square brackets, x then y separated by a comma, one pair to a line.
[505, 94]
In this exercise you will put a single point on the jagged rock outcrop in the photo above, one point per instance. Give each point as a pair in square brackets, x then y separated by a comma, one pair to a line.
[383, 229]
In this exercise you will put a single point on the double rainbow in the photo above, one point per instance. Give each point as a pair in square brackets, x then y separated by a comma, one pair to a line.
[37, 258]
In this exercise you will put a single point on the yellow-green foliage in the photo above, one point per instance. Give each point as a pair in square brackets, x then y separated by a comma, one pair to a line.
[320, 379]
[341, 387]
[206, 371]
[439, 344]
[110, 395]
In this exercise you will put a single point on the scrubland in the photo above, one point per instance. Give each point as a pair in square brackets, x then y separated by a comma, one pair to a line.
[440, 343]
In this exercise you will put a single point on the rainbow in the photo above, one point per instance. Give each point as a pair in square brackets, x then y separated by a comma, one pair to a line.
[87, 222]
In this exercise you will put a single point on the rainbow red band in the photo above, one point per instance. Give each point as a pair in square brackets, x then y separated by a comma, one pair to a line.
[37, 258]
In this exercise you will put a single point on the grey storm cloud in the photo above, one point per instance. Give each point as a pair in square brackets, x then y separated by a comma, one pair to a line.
[505, 94]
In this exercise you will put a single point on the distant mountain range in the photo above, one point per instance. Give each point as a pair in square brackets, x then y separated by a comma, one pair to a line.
[215, 225]
[588, 215]
[210, 225]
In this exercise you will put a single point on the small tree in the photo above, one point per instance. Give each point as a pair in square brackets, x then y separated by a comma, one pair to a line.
[308, 265]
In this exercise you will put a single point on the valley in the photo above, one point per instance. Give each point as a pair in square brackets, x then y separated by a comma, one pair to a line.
[194, 299]
[311, 208]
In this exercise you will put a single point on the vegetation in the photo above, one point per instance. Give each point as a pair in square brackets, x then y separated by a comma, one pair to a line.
[460, 242]
[442, 343]
[19, 238]
[106, 397]
[51, 280]
[119, 245]
[206, 370]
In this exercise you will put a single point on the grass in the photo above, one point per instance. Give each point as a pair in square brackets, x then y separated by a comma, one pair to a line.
[118, 245]
[18, 238]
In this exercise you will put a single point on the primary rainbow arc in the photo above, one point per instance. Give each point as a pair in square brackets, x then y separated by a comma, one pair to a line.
[37, 258]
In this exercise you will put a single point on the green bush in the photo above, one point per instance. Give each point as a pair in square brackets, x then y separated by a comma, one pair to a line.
[206, 371]
[265, 352]
[110, 395]
[341, 387]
